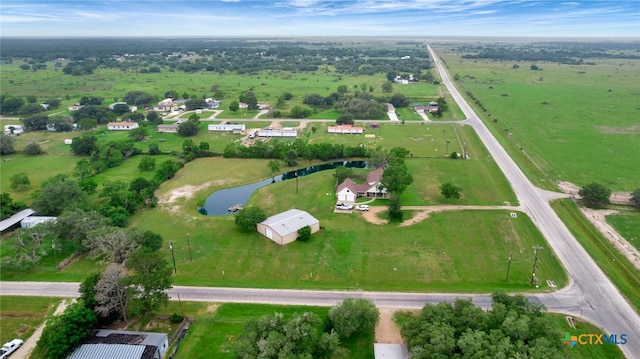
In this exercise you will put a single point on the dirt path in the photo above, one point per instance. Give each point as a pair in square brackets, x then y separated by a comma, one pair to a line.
[616, 197]
[387, 331]
[598, 219]
[423, 212]
[169, 200]
[30, 344]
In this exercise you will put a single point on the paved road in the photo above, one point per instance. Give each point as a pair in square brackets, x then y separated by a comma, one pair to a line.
[591, 290]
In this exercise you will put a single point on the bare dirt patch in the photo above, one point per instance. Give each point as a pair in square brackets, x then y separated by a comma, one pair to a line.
[423, 212]
[616, 197]
[372, 215]
[387, 330]
[608, 130]
[598, 218]
[185, 192]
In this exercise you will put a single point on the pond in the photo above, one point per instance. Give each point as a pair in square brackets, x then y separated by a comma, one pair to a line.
[219, 202]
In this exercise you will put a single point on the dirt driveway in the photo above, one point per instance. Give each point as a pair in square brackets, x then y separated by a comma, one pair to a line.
[423, 212]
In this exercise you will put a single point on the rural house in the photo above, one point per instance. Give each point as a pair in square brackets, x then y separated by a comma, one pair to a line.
[121, 126]
[283, 228]
[345, 129]
[226, 128]
[171, 128]
[348, 190]
[108, 344]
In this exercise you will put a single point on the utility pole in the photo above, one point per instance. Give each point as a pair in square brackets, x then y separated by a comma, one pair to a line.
[296, 182]
[189, 245]
[535, 262]
[446, 152]
[55, 255]
[174, 257]
[508, 267]
[464, 149]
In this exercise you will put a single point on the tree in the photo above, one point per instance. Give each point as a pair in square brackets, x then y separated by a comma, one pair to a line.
[189, 128]
[138, 134]
[234, 106]
[394, 207]
[251, 100]
[513, 328]
[83, 169]
[149, 282]
[387, 87]
[343, 89]
[167, 170]
[133, 116]
[449, 190]
[58, 194]
[86, 124]
[396, 178]
[150, 240]
[595, 195]
[345, 119]
[248, 217]
[635, 197]
[154, 149]
[6, 145]
[154, 118]
[88, 290]
[274, 337]
[342, 173]
[112, 291]
[399, 100]
[30, 245]
[35, 122]
[84, 146]
[300, 112]
[33, 148]
[120, 109]
[8, 207]
[20, 181]
[274, 166]
[61, 123]
[195, 104]
[354, 315]
[147, 164]
[74, 226]
[65, 332]
[11, 105]
[112, 244]
[203, 146]
[304, 234]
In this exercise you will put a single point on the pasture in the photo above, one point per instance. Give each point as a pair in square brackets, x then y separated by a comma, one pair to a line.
[627, 223]
[576, 123]
[21, 316]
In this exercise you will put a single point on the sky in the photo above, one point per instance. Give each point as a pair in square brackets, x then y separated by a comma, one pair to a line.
[277, 18]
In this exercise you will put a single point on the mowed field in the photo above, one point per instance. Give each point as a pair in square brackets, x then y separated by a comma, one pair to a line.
[21, 316]
[576, 123]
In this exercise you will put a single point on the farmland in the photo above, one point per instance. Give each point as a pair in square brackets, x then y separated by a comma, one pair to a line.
[563, 119]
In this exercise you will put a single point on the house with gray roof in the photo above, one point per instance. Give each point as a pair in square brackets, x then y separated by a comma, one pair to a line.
[283, 228]
[109, 344]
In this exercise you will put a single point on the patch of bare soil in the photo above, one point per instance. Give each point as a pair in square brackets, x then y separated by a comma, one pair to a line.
[423, 212]
[372, 215]
[620, 130]
[185, 192]
[598, 218]
[387, 330]
[616, 197]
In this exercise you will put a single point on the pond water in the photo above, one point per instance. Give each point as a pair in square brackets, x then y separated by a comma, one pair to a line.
[218, 203]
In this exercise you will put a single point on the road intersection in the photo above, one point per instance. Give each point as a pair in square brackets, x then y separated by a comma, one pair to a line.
[589, 295]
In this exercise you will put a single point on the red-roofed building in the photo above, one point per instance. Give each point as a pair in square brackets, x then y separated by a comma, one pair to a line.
[348, 190]
[345, 129]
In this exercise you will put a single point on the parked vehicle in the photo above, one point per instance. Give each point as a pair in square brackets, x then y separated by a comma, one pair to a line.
[362, 207]
[344, 206]
[10, 347]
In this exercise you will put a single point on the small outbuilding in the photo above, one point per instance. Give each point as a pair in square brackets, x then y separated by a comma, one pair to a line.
[108, 344]
[390, 351]
[283, 228]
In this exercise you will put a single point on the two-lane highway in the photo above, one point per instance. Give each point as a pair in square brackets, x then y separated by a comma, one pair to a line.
[598, 299]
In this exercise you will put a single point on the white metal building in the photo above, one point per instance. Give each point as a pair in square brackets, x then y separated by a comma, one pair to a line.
[283, 228]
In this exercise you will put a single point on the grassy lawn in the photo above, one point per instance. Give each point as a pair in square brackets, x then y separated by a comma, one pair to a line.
[585, 351]
[20, 316]
[627, 223]
[214, 332]
[561, 121]
[616, 266]
[349, 253]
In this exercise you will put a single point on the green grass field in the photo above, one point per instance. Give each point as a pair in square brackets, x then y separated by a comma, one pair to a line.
[21, 316]
[566, 122]
[627, 223]
[616, 266]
